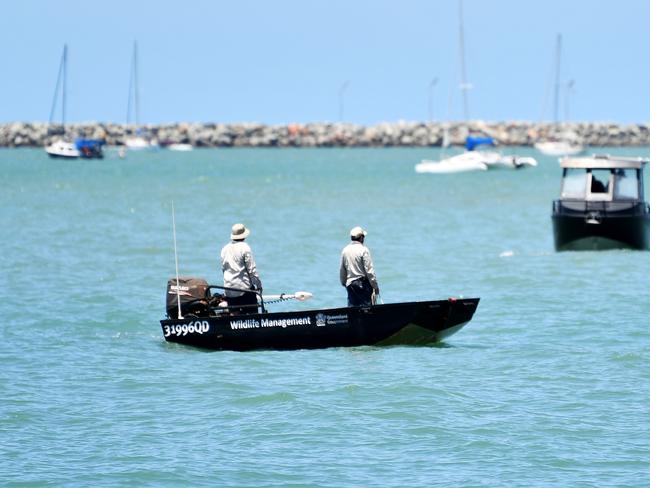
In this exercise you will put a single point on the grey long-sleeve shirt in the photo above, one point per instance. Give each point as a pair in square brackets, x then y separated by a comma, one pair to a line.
[239, 270]
[356, 263]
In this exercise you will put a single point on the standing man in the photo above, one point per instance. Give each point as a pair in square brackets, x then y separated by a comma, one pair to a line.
[239, 271]
[357, 272]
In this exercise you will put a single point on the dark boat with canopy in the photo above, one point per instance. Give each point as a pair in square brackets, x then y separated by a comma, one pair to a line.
[601, 205]
[198, 317]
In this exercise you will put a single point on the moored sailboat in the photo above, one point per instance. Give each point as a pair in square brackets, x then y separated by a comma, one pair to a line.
[139, 139]
[472, 159]
[564, 143]
[63, 148]
[475, 160]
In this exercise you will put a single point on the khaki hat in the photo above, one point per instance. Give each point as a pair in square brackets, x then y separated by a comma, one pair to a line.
[239, 232]
[357, 232]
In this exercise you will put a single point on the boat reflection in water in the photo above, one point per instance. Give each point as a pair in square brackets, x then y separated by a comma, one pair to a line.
[207, 322]
[601, 205]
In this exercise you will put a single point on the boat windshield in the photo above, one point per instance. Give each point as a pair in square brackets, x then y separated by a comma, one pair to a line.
[599, 188]
[574, 183]
[626, 185]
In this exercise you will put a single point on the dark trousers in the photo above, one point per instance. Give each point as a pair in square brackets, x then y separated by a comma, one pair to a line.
[359, 293]
[238, 304]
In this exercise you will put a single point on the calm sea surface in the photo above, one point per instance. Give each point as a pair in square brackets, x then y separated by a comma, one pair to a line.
[548, 385]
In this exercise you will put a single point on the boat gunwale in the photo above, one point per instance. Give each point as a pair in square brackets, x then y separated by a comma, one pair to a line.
[190, 317]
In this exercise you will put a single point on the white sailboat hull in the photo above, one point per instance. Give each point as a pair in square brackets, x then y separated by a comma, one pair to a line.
[63, 150]
[559, 148]
[474, 161]
[180, 147]
[140, 143]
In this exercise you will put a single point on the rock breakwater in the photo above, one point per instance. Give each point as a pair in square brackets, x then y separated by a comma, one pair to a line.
[397, 134]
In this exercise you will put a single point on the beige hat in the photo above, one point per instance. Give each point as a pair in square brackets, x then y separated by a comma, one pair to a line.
[239, 232]
[357, 232]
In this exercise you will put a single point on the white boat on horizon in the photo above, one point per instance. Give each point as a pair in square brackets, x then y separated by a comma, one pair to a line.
[141, 139]
[562, 147]
[180, 147]
[565, 143]
[62, 149]
[473, 160]
[460, 163]
[139, 143]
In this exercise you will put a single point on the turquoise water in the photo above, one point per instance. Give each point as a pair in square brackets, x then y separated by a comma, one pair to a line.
[547, 386]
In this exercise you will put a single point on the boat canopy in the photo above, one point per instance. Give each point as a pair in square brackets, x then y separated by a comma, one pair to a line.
[472, 142]
[603, 162]
[89, 143]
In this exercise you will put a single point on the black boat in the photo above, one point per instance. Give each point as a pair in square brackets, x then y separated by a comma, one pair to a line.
[207, 323]
[601, 205]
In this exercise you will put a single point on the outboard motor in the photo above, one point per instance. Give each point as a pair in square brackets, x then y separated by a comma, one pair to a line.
[194, 294]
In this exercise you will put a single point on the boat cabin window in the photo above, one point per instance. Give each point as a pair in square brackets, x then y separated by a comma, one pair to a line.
[574, 183]
[626, 184]
[599, 184]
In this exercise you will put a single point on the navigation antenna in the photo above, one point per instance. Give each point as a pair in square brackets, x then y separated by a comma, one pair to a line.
[178, 286]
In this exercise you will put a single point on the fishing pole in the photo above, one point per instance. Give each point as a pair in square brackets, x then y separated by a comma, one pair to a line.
[178, 286]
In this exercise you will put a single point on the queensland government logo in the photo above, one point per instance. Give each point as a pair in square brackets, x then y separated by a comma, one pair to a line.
[321, 320]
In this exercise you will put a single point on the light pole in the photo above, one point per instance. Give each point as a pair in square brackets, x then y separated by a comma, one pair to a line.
[432, 85]
[342, 90]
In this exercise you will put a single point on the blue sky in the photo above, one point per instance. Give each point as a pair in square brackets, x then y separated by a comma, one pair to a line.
[285, 61]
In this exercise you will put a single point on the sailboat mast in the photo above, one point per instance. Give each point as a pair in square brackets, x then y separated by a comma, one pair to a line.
[65, 76]
[135, 82]
[556, 102]
[60, 79]
[134, 96]
[463, 73]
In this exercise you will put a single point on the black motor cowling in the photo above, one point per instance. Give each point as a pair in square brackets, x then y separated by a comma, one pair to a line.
[194, 294]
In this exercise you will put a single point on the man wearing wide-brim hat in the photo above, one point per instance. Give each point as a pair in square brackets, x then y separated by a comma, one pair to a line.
[357, 272]
[240, 272]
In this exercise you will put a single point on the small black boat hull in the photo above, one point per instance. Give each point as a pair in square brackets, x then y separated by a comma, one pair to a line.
[412, 323]
[593, 232]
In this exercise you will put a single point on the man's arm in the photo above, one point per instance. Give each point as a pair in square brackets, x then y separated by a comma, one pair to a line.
[370, 270]
[343, 272]
[251, 269]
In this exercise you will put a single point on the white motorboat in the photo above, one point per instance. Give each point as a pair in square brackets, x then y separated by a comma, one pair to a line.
[472, 160]
[468, 161]
[62, 149]
[559, 148]
[180, 147]
[140, 143]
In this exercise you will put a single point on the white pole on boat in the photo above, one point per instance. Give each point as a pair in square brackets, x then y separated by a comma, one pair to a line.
[301, 296]
[178, 286]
